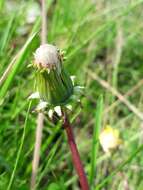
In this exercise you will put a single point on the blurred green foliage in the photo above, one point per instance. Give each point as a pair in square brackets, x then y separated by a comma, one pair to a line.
[102, 37]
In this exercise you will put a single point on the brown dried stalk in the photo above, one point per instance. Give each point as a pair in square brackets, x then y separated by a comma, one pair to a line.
[40, 119]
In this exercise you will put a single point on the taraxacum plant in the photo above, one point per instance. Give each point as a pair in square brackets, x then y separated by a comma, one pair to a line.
[54, 86]
[56, 90]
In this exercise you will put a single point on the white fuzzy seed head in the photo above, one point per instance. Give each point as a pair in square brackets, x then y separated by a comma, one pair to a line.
[47, 56]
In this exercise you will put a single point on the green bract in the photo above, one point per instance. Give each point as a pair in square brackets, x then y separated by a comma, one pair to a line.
[53, 82]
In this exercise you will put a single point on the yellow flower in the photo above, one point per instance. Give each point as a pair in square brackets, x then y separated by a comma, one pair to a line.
[109, 138]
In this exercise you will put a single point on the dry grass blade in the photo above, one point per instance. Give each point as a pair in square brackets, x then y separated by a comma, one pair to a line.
[40, 119]
[8, 69]
[130, 92]
[106, 85]
[36, 155]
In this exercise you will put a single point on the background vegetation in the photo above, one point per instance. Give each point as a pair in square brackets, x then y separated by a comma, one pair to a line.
[103, 42]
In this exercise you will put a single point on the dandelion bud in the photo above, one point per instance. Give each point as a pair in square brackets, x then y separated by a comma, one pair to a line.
[53, 83]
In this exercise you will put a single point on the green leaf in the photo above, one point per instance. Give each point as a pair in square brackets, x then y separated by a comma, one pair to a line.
[20, 148]
[54, 186]
[95, 141]
[6, 34]
[119, 168]
[16, 64]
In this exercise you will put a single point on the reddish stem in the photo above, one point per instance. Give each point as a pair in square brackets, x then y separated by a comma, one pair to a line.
[75, 155]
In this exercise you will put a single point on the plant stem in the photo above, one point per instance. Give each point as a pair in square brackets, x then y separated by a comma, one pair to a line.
[36, 154]
[44, 22]
[40, 119]
[75, 154]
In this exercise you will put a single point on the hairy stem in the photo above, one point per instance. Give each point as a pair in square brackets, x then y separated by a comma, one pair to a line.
[75, 154]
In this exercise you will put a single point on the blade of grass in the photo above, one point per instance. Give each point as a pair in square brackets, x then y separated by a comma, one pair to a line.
[102, 28]
[20, 149]
[95, 141]
[107, 86]
[50, 159]
[15, 66]
[119, 168]
[1, 4]
[6, 34]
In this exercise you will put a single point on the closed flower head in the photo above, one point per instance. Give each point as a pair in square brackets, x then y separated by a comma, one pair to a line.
[53, 82]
